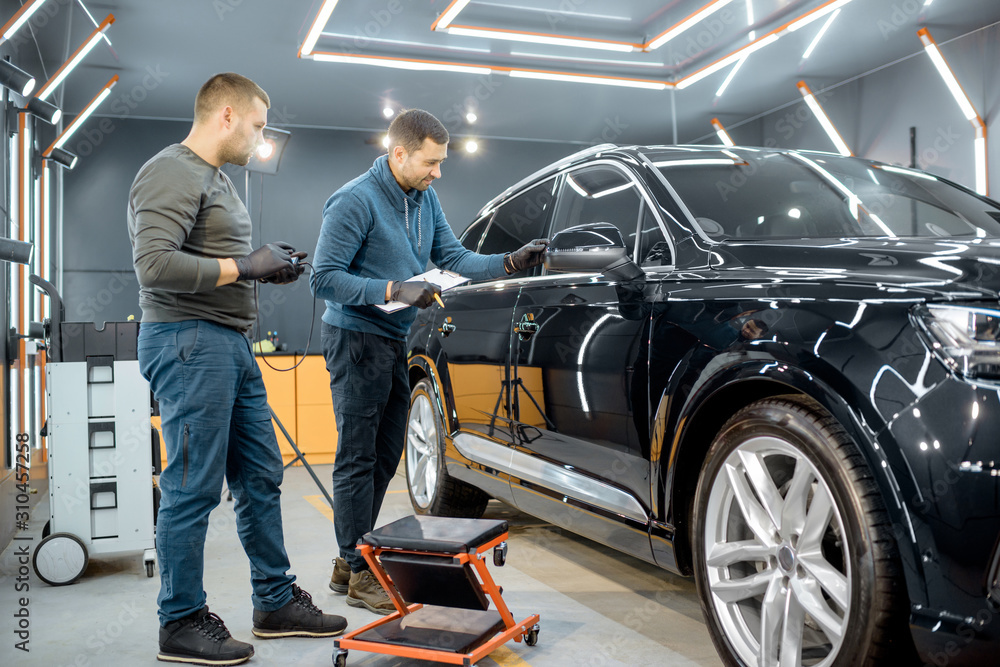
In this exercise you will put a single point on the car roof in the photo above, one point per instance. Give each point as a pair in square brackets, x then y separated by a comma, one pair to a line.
[655, 153]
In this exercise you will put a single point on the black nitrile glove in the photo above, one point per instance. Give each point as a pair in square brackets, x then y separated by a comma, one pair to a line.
[529, 255]
[264, 261]
[287, 274]
[415, 292]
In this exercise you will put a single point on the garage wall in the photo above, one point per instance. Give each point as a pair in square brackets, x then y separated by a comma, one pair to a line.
[874, 113]
[99, 283]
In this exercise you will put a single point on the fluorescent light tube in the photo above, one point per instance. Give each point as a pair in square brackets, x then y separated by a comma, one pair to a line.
[980, 150]
[75, 59]
[816, 14]
[823, 119]
[721, 132]
[20, 18]
[317, 27]
[721, 63]
[819, 35]
[82, 116]
[684, 25]
[599, 80]
[449, 14]
[949, 79]
[542, 39]
[400, 64]
[730, 76]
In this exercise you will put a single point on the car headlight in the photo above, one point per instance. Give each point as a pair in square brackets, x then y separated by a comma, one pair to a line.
[966, 338]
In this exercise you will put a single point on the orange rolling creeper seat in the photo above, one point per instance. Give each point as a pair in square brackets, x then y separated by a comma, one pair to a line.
[433, 563]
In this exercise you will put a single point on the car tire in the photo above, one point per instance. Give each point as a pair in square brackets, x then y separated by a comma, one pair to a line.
[795, 561]
[432, 490]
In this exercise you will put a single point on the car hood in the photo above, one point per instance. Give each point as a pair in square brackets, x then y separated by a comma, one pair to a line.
[950, 268]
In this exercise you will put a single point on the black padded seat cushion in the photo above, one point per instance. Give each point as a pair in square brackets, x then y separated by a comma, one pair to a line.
[435, 534]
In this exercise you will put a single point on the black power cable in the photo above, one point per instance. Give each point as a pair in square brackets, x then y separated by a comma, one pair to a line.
[256, 327]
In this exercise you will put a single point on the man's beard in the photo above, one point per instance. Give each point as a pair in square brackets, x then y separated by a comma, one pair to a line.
[232, 152]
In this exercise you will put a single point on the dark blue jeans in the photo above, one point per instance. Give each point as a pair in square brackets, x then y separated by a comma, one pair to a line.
[215, 420]
[371, 397]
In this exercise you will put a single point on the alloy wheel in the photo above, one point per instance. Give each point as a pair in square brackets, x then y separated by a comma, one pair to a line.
[777, 560]
[422, 451]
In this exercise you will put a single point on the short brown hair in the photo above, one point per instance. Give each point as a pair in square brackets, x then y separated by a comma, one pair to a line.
[229, 89]
[411, 127]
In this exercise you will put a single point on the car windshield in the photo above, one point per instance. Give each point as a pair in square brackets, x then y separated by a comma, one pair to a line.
[750, 194]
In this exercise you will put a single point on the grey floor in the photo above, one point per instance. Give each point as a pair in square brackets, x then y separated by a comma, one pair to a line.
[598, 607]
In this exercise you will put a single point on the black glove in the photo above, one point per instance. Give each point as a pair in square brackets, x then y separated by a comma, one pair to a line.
[414, 292]
[287, 275]
[263, 262]
[526, 257]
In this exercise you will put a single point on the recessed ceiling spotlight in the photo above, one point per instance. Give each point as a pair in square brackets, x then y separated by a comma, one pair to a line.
[388, 112]
[471, 146]
[471, 117]
[385, 141]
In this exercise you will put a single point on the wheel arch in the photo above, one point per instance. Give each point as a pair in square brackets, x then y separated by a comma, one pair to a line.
[717, 400]
[423, 367]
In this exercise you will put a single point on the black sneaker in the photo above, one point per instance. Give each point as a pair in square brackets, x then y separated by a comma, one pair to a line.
[298, 618]
[201, 639]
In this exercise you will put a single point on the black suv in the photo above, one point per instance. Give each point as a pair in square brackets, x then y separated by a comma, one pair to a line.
[777, 371]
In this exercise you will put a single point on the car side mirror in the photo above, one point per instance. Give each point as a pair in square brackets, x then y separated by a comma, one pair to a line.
[596, 246]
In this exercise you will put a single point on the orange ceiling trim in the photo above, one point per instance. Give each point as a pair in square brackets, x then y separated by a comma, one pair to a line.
[494, 68]
[773, 33]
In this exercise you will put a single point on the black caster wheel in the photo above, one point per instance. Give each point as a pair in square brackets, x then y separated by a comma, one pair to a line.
[340, 658]
[500, 554]
[531, 638]
[150, 568]
[60, 559]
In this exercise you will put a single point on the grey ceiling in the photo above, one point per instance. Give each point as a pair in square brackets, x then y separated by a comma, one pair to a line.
[162, 50]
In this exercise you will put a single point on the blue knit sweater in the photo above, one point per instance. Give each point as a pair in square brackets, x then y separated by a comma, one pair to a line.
[367, 240]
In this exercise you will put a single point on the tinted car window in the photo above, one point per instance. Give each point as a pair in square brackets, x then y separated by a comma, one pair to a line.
[653, 247]
[474, 233]
[519, 220]
[783, 196]
[599, 194]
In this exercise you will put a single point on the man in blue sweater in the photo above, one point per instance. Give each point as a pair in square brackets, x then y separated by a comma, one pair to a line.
[374, 238]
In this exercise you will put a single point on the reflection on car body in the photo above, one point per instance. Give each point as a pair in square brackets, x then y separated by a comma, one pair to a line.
[776, 371]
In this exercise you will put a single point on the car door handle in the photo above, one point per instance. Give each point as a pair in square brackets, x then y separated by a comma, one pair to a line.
[527, 327]
[446, 328]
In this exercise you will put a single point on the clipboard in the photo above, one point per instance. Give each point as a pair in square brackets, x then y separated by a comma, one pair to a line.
[443, 279]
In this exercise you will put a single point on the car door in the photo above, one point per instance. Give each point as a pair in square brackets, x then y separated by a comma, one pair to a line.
[470, 338]
[580, 363]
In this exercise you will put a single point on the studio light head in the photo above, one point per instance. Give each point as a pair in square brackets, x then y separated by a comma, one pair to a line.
[47, 111]
[15, 251]
[16, 79]
[63, 157]
[267, 156]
